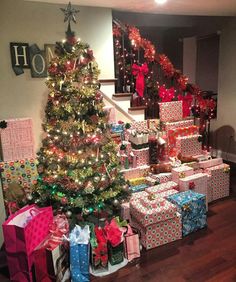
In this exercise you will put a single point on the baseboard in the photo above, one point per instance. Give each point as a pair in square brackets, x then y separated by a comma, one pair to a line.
[229, 157]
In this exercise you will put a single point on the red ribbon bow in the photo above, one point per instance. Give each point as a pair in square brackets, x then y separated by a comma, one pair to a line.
[186, 103]
[191, 185]
[140, 72]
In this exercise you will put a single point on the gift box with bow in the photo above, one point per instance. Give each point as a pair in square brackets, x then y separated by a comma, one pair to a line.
[192, 207]
[189, 145]
[156, 189]
[181, 172]
[218, 183]
[210, 163]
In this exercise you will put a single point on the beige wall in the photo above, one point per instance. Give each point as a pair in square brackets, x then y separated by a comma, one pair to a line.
[225, 125]
[40, 23]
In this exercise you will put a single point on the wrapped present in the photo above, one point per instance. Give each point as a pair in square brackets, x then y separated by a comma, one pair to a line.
[142, 156]
[189, 145]
[196, 182]
[23, 172]
[125, 211]
[219, 181]
[138, 195]
[150, 209]
[138, 188]
[181, 172]
[17, 140]
[131, 244]
[110, 110]
[135, 172]
[51, 257]
[192, 207]
[159, 233]
[167, 193]
[152, 181]
[162, 187]
[177, 124]
[137, 181]
[210, 163]
[139, 125]
[117, 128]
[171, 111]
[163, 177]
[79, 254]
[202, 157]
[194, 165]
[179, 132]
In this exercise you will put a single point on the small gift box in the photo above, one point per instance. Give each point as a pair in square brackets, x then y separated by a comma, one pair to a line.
[138, 188]
[171, 111]
[177, 124]
[189, 145]
[117, 128]
[181, 172]
[162, 177]
[162, 187]
[137, 181]
[210, 163]
[142, 156]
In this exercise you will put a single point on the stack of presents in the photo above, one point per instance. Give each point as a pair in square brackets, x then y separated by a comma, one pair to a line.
[172, 179]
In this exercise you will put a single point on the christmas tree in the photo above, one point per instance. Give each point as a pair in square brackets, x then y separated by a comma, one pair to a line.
[78, 163]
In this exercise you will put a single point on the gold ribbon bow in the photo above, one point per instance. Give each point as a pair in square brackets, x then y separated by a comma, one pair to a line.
[182, 175]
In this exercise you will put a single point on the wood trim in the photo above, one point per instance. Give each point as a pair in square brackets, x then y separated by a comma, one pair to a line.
[109, 80]
[122, 95]
[132, 109]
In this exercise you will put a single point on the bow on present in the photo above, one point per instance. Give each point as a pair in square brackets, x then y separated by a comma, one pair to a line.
[182, 175]
[140, 72]
[165, 94]
[191, 185]
[186, 208]
[114, 232]
[186, 103]
[226, 169]
[59, 227]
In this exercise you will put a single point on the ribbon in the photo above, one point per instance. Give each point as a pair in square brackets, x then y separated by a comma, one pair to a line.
[114, 233]
[191, 185]
[182, 175]
[165, 94]
[59, 227]
[140, 72]
[79, 235]
[186, 103]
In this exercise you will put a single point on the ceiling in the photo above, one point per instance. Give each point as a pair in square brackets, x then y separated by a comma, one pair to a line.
[172, 7]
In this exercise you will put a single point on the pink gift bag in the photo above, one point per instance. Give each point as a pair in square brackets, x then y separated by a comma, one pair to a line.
[23, 232]
[131, 242]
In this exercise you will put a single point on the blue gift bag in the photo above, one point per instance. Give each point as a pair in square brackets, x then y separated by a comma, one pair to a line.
[79, 254]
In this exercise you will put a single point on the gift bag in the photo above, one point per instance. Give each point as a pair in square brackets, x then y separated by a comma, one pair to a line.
[23, 232]
[131, 244]
[79, 254]
[47, 254]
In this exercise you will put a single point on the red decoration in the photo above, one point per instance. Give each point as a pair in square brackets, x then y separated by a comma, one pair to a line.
[191, 185]
[140, 72]
[186, 102]
[165, 94]
[135, 37]
[100, 255]
[166, 65]
[182, 82]
[149, 50]
[116, 31]
[113, 233]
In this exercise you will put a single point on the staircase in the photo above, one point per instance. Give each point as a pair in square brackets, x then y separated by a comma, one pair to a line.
[121, 102]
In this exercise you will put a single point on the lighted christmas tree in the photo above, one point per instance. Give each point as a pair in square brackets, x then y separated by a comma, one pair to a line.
[78, 163]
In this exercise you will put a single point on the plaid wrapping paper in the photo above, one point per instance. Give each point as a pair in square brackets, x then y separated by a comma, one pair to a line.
[181, 172]
[23, 172]
[219, 181]
[177, 124]
[17, 140]
[163, 177]
[179, 132]
[171, 111]
[192, 207]
[142, 156]
[135, 172]
[210, 163]
[162, 187]
[189, 145]
[160, 233]
[148, 211]
[196, 182]
[139, 125]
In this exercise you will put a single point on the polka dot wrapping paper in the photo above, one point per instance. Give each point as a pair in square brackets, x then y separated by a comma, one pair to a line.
[23, 172]
[171, 111]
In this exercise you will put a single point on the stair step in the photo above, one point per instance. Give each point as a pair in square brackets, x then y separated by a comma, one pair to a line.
[139, 108]
[122, 95]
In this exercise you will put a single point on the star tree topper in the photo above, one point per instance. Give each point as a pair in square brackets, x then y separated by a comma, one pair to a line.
[70, 15]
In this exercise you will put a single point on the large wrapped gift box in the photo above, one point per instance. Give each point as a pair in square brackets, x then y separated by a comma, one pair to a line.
[218, 183]
[142, 156]
[179, 132]
[181, 172]
[135, 172]
[189, 145]
[23, 172]
[210, 163]
[17, 140]
[156, 189]
[192, 207]
[156, 219]
[196, 182]
[170, 111]
[177, 124]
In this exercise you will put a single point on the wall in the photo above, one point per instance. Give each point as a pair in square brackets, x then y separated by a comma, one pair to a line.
[224, 127]
[189, 58]
[40, 23]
